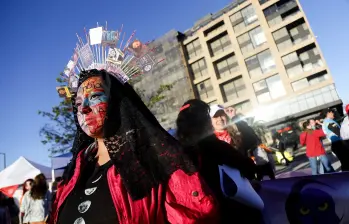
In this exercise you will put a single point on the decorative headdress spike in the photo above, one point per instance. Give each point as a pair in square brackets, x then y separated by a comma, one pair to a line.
[100, 51]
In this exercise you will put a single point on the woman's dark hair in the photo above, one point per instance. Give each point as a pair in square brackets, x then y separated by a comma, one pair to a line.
[193, 122]
[23, 185]
[305, 125]
[39, 188]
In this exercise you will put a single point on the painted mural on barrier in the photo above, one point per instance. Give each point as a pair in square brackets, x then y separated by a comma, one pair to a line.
[307, 200]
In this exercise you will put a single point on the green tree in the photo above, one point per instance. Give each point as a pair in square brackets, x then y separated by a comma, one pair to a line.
[58, 134]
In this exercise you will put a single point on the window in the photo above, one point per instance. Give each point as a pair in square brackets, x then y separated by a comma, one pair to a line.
[280, 34]
[303, 102]
[193, 49]
[309, 81]
[292, 34]
[257, 36]
[226, 66]
[270, 88]
[280, 11]
[260, 64]
[219, 45]
[290, 58]
[243, 18]
[249, 15]
[266, 61]
[216, 28]
[300, 84]
[243, 106]
[205, 89]
[251, 40]
[303, 60]
[199, 69]
[213, 103]
[233, 89]
[262, 1]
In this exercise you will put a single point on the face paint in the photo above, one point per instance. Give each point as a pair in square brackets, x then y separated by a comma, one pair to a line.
[92, 105]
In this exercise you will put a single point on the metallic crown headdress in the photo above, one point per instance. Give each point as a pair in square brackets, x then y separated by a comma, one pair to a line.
[104, 49]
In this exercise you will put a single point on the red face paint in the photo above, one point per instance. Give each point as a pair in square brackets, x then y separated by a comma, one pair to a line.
[92, 106]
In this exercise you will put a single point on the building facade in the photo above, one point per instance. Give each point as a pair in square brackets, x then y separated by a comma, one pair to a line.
[171, 71]
[261, 57]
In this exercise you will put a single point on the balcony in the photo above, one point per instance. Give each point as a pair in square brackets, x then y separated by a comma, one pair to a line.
[281, 11]
[306, 60]
[293, 34]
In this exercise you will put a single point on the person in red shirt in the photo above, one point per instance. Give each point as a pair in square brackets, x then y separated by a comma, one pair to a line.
[314, 148]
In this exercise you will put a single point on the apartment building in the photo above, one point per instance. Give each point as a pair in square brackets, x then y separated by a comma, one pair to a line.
[171, 71]
[261, 57]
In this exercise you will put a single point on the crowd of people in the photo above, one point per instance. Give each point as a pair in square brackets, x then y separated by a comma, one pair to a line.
[125, 162]
[33, 206]
[326, 126]
[127, 169]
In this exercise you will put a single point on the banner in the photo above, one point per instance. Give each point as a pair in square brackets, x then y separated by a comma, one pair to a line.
[304, 200]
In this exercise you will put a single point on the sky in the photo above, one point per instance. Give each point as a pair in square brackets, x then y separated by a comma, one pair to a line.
[38, 36]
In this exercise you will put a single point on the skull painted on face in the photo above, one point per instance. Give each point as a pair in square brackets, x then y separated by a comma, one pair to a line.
[92, 104]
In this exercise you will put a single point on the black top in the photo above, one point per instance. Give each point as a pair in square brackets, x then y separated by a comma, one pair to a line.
[90, 202]
[214, 152]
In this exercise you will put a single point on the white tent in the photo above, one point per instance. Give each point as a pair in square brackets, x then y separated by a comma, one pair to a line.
[21, 170]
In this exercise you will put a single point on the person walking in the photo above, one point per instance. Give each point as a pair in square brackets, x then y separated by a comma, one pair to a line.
[332, 130]
[279, 142]
[314, 148]
[36, 203]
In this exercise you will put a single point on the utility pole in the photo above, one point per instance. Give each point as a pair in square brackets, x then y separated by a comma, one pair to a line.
[4, 154]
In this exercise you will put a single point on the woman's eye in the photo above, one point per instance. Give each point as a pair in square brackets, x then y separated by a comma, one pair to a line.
[94, 97]
[78, 104]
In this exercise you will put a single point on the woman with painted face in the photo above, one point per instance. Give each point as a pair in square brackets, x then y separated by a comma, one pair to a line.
[126, 168]
[195, 131]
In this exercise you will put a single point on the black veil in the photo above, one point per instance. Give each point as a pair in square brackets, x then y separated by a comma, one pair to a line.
[143, 153]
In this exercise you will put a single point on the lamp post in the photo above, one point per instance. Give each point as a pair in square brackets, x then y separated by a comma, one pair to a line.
[4, 154]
